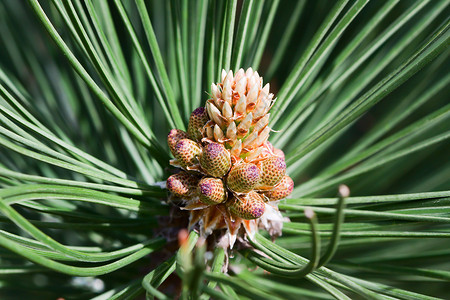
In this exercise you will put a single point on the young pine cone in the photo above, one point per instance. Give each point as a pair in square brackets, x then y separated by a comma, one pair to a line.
[231, 173]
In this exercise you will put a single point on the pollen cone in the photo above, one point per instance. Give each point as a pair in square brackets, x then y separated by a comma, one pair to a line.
[187, 152]
[243, 177]
[282, 190]
[175, 135]
[272, 171]
[215, 159]
[249, 206]
[182, 185]
[212, 191]
[196, 122]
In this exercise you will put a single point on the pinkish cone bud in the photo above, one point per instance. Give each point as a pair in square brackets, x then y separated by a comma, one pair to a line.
[243, 177]
[212, 191]
[182, 185]
[215, 159]
[196, 122]
[282, 190]
[250, 206]
[272, 171]
[175, 135]
[187, 151]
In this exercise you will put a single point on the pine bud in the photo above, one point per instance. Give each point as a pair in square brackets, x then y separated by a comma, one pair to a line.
[248, 207]
[215, 159]
[227, 142]
[272, 171]
[187, 151]
[183, 185]
[175, 135]
[244, 126]
[215, 114]
[282, 190]
[196, 122]
[212, 191]
[243, 177]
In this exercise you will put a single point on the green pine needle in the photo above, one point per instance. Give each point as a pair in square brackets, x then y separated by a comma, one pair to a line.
[90, 89]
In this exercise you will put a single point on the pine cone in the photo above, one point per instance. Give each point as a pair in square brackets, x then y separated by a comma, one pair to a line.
[212, 191]
[227, 144]
[182, 185]
[215, 160]
[249, 206]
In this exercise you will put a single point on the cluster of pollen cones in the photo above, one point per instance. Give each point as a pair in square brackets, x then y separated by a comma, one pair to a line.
[231, 177]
